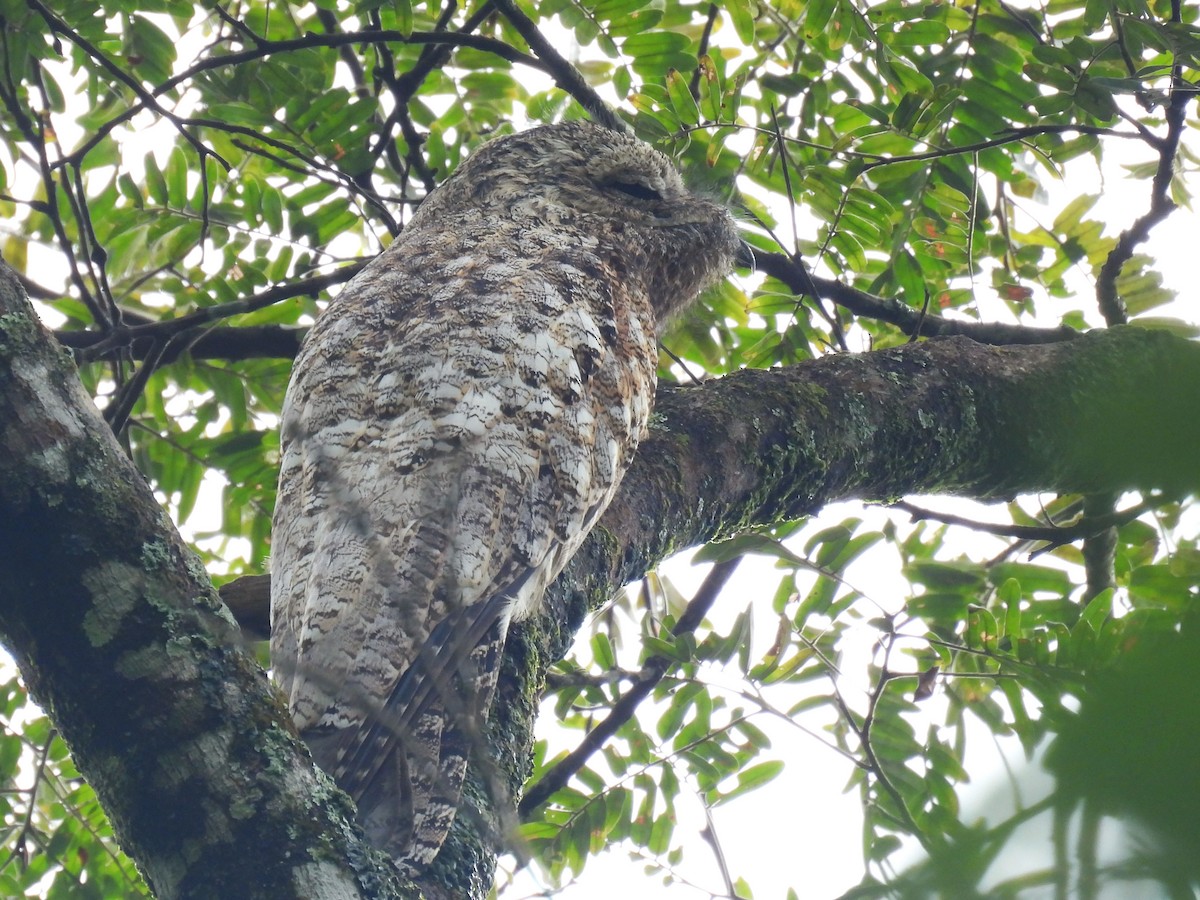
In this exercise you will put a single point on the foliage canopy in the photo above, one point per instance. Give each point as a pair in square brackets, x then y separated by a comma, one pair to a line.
[185, 185]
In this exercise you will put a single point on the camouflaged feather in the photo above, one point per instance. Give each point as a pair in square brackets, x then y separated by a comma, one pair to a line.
[457, 420]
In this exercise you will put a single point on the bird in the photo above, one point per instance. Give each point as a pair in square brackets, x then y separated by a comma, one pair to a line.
[457, 419]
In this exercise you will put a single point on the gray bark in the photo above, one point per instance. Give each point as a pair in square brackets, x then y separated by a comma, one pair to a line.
[121, 637]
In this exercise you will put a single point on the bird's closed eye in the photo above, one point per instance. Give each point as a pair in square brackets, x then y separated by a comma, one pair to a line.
[635, 189]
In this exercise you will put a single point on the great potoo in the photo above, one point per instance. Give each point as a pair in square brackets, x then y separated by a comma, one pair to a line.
[457, 420]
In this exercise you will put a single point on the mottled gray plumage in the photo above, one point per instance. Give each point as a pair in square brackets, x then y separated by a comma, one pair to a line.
[457, 421]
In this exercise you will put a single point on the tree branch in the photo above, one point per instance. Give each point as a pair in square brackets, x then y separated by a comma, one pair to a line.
[145, 334]
[1115, 410]
[268, 48]
[1161, 204]
[120, 636]
[911, 321]
[566, 76]
[225, 343]
[622, 711]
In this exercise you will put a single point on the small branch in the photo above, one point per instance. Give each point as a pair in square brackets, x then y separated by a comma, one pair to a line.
[909, 320]
[694, 85]
[124, 336]
[330, 23]
[1056, 535]
[26, 829]
[37, 139]
[1100, 547]
[90, 244]
[309, 41]
[566, 76]
[1161, 205]
[1012, 135]
[117, 413]
[873, 763]
[223, 343]
[709, 835]
[651, 674]
[148, 99]
[1087, 885]
[436, 54]
[405, 85]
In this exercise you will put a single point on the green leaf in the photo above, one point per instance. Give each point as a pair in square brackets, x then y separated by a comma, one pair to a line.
[602, 651]
[177, 179]
[982, 630]
[403, 11]
[1010, 595]
[741, 12]
[1095, 99]
[149, 51]
[750, 542]
[655, 52]
[817, 15]
[750, 779]
[155, 182]
[1098, 610]
[681, 98]
[909, 277]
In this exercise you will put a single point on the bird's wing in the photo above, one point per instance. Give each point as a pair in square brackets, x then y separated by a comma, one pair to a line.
[433, 458]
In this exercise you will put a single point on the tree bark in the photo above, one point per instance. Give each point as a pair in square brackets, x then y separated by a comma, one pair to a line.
[119, 634]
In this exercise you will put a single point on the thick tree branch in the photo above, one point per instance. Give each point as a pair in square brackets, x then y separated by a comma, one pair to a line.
[120, 636]
[1112, 410]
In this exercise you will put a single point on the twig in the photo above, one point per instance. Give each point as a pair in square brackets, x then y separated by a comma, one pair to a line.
[651, 674]
[565, 75]
[31, 808]
[1056, 535]
[37, 139]
[709, 835]
[309, 41]
[876, 767]
[57, 26]
[168, 328]
[1010, 135]
[782, 268]
[705, 36]
[1161, 205]
[117, 413]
